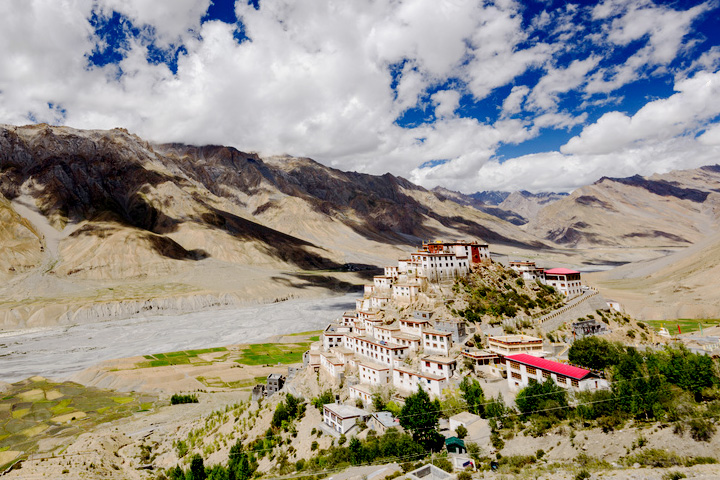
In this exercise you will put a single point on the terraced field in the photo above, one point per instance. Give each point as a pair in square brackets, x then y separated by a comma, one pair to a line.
[36, 409]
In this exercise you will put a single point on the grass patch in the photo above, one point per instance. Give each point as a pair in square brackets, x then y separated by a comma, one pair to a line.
[184, 357]
[27, 416]
[314, 338]
[687, 325]
[122, 400]
[273, 353]
[311, 332]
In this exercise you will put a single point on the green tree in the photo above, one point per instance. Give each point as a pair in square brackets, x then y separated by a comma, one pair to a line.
[547, 398]
[197, 468]
[595, 353]
[461, 431]
[420, 416]
[473, 395]
[378, 402]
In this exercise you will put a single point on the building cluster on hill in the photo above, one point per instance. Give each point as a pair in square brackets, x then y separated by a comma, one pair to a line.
[564, 280]
[412, 348]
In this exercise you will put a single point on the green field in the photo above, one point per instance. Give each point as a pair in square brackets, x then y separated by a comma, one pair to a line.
[273, 353]
[687, 325]
[185, 357]
[36, 408]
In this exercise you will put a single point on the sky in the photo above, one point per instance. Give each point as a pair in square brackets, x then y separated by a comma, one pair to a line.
[469, 95]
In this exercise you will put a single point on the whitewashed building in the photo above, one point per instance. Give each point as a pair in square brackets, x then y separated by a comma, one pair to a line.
[522, 368]
[443, 366]
[435, 341]
[373, 374]
[342, 418]
[361, 392]
[331, 364]
[565, 281]
[513, 344]
[409, 380]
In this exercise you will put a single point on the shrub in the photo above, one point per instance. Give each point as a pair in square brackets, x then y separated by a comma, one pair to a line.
[582, 475]
[654, 457]
[701, 429]
[444, 464]
[177, 399]
[461, 431]
[673, 476]
[464, 476]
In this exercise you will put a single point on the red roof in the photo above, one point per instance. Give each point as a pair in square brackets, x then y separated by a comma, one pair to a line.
[550, 366]
[560, 271]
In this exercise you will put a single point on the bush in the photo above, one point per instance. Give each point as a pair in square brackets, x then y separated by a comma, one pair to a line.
[582, 475]
[464, 476]
[654, 457]
[461, 431]
[177, 399]
[673, 476]
[444, 464]
[701, 429]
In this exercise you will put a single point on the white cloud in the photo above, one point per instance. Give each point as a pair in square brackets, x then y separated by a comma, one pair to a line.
[697, 100]
[314, 80]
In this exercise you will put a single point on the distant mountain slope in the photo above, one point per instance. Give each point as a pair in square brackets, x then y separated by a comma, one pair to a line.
[489, 208]
[681, 285]
[675, 209]
[106, 215]
[527, 205]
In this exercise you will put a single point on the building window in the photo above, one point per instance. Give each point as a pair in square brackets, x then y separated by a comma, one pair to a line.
[546, 374]
[515, 365]
[561, 380]
[574, 383]
[531, 370]
[516, 375]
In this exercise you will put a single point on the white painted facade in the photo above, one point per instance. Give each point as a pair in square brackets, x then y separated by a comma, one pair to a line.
[342, 418]
[519, 374]
[409, 380]
[373, 374]
[436, 342]
[442, 366]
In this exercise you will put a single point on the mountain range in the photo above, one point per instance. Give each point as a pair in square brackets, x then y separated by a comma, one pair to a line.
[91, 217]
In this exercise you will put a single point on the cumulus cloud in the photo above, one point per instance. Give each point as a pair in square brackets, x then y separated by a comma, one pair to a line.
[332, 81]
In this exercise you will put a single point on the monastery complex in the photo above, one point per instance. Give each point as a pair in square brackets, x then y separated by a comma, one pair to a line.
[396, 339]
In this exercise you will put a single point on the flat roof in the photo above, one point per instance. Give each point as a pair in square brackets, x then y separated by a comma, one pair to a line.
[362, 387]
[560, 271]
[350, 314]
[432, 331]
[331, 358]
[392, 326]
[345, 411]
[406, 336]
[515, 338]
[438, 359]
[373, 366]
[431, 376]
[415, 320]
[550, 366]
[386, 419]
[374, 341]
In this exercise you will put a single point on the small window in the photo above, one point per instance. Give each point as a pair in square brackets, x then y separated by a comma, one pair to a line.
[516, 375]
[531, 370]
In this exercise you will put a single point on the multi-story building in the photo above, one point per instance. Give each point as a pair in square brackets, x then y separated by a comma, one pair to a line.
[443, 366]
[474, 251]
[529, 271]
[441, 266]
[333, 335]
[505, 345]
[435, 341]
[453, 326]
[413, 325]
[275, 382]
[565, 281]
[332, 364]
[342, 418]
[376, 350]
[409, 380]
[362, 392]
[373, 374]
[522, 368]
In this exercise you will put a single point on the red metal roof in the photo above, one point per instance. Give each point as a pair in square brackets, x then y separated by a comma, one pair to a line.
[560, 271]
[554, 367]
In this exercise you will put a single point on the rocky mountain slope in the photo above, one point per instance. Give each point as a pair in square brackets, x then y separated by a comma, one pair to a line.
[104, 216]
[675, 209]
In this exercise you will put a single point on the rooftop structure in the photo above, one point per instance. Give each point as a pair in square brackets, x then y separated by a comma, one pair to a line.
[522, 368]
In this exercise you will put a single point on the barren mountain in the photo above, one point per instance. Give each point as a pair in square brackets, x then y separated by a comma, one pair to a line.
[681, 285]
[96, 217]
[527, 205]
[489, 208]
[675, 209]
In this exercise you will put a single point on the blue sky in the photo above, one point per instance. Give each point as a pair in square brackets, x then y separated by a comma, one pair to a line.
[470, 95]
